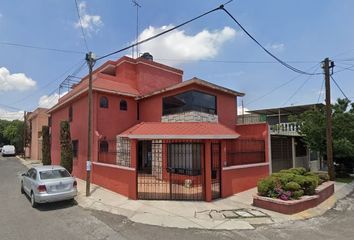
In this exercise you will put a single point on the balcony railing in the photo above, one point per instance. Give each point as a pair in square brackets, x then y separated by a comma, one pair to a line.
[289, 129]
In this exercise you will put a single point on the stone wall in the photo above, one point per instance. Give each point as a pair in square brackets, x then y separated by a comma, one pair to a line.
[123, 152]
[191, 116]
[156, 158]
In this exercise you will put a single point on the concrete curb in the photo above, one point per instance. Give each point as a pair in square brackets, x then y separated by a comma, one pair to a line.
[180, 214]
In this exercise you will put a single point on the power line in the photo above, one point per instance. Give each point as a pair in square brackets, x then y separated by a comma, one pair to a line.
[267, 51]
[232, 61]
[299, 88]
[82, 28]
[159, 34]
[340, 89]
[51, 82]
[320, 93]
[278, 87]
[350, 68]
[11, 107]
[40, 48]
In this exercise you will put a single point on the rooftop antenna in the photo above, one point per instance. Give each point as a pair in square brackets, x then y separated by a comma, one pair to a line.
[137, 5]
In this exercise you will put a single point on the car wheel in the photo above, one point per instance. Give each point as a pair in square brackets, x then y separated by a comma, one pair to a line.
[22, 190]
[33, 200]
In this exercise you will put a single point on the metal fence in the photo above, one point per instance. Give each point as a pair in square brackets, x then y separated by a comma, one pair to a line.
[245, 151]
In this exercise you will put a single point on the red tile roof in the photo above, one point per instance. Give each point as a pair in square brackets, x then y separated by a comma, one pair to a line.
[179, 130]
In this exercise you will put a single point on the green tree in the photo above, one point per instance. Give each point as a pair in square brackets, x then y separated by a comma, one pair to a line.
[13, 134]
[66, 151]
[312, 125]
[46, 159]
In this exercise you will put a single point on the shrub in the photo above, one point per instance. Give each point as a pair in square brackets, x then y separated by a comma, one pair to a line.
[297, 194]
[297, 171]
[292, 186]
[266, 186]
[324, 177]
[283, 177]
[307, 183]
[66, 151]
[46, 160]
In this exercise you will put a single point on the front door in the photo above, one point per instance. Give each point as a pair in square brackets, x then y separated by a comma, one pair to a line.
[144, 157]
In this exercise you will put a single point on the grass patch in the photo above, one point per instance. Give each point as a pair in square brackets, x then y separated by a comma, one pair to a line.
[345, 180]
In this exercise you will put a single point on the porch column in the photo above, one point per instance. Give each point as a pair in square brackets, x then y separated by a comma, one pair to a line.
[293, 151]
[223, 163]
[207, 167]
[133, 164]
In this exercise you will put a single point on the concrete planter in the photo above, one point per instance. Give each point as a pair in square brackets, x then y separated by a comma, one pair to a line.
[324, 191]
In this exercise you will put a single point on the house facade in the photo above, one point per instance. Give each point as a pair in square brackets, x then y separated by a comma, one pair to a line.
[35, 121]
[159, 137]
[287, 147]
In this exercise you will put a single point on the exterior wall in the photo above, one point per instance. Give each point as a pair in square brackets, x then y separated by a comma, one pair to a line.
[78, 130]
[115, 178]
[151, 108]
[123, 152]
[39, 120]
[191, 116]
[243, 177]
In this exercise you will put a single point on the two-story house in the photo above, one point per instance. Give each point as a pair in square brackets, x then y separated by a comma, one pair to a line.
[159, 137]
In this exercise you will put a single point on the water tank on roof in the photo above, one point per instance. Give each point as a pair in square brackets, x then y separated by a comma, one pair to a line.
[147, 56]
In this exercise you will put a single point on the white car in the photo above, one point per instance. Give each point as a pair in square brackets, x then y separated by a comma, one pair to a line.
[45, 184]
[8, 150]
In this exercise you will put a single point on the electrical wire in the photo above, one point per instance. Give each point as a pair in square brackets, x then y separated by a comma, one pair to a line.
[340, 89]
[159, 34]
[320, 93]
[51, 82]
[278, 87]
[40, 48]
[231, 61]
[299, 88]
[267, 51]
[82, 28]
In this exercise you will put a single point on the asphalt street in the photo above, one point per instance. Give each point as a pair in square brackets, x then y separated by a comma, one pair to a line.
[65, 220]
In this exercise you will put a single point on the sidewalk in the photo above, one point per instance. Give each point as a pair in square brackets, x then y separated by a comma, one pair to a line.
[235, 212]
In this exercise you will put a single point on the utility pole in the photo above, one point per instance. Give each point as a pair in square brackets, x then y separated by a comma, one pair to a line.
[327, 65]
[90, 60]
[24, 133]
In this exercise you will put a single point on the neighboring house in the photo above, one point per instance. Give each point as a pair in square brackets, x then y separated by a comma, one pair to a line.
[35, 121]
[287, 148]
[158, 137]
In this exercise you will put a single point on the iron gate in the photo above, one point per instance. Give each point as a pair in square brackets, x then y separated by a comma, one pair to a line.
[215, 170]
[170, 170]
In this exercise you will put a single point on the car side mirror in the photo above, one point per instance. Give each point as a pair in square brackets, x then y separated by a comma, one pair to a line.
[24, 174]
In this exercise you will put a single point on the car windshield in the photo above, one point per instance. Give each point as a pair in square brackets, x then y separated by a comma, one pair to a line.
[53, 174]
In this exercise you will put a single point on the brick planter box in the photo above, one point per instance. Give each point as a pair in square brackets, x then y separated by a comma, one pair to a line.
[324, 191]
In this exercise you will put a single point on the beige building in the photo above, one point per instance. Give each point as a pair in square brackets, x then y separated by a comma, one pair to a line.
[36, 120]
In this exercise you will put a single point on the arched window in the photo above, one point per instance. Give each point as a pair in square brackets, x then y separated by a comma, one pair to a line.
[123, 105]
[104, 102]
[70, 113]
[104, 146]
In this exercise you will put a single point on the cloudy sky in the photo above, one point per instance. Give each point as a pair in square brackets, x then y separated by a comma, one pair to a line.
[213, 48]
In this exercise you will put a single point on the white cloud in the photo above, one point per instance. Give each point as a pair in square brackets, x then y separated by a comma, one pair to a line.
[49, 101]
[179, 45]
[14, 81]
[277, 46]
[89, 22]
[8, 115]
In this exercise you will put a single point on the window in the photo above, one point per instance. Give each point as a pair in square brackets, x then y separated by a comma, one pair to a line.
[123, 105]
[53, 174]
[70, 113]
[75, 144]
[50, 121]
[103, 102]
[189, 101]
[104, 146]
[32, 173]
[185, 158]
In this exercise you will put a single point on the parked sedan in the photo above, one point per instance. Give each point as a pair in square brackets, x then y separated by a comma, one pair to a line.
[8, 150]
[48, 184]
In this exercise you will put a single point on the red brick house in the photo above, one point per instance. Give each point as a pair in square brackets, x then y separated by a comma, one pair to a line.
[158, 137]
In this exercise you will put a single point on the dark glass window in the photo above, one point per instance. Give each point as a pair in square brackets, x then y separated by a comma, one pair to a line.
[75, 144]
[50, 121]
[123, 105]
[70, 113]
[189, 101]
[185, 158]
[103, 102]
[104, 146]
